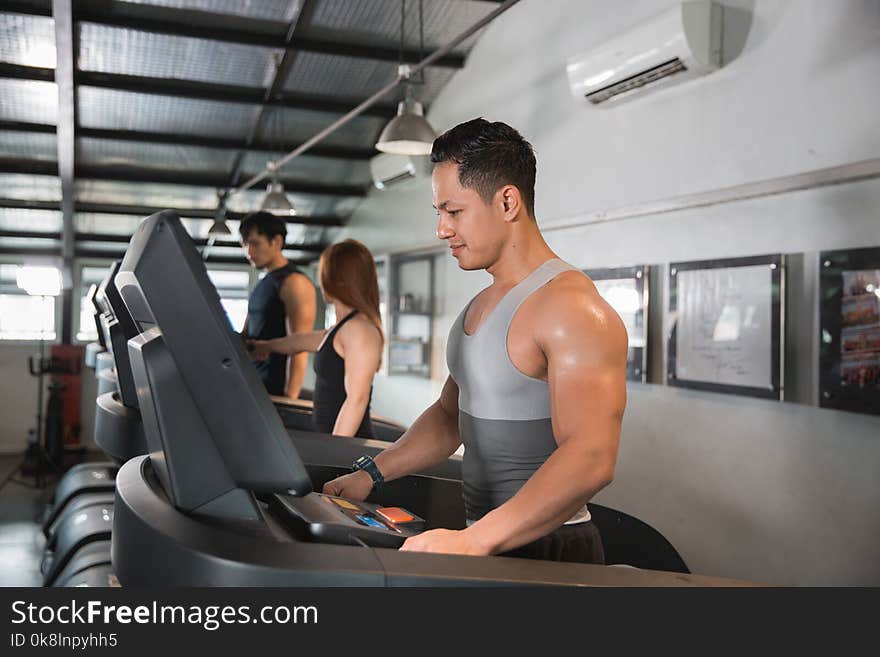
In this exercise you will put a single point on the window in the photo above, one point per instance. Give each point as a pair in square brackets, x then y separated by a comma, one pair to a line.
[87, 330]
[23, 317]
[233, 288]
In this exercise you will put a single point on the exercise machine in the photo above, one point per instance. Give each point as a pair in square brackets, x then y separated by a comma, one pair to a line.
[226, 495]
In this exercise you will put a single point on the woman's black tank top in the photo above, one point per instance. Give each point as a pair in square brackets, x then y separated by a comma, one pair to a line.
[330, 387]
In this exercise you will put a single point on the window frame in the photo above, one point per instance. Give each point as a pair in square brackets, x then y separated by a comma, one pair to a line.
[42, 261]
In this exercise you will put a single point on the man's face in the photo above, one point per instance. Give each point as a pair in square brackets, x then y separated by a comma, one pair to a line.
[260, 250]
[474, 230]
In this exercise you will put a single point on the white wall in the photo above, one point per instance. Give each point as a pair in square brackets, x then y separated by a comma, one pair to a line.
[18, 398]
[783, 493]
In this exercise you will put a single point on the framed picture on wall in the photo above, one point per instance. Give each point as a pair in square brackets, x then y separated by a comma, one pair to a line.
[849, 320]
[626, 290]
[726, 319]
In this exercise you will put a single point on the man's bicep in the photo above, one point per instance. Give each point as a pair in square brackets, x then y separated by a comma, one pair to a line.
[449, 398]
[586, 371]
[298, 296]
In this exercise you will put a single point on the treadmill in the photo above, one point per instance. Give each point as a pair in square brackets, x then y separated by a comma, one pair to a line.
[78, 531]
[86, 518]
[225, 497]
[297, 414]
[91, 478]
[100, 345]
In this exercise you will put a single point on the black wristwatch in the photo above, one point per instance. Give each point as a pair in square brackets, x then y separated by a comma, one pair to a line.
[368, 465]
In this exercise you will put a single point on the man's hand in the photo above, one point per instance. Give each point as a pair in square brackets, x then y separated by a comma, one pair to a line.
[259, 349]
[445, 541]
[354, 486]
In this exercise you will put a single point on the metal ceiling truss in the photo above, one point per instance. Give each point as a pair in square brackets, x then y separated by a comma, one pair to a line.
[125, 239]
[236, 29]
[288, 38]
[54, 252]
[138, 136]
[126, 173]
[229, 28]
[65, 46]
[275, 89]
[225, 93]
[146, 211]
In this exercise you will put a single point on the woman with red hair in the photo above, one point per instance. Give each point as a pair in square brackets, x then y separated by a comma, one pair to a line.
[348, 354]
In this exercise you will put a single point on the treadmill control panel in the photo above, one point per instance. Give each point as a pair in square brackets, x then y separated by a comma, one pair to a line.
[325, 518]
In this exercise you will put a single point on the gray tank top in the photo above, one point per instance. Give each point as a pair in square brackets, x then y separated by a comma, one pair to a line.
[504, 415]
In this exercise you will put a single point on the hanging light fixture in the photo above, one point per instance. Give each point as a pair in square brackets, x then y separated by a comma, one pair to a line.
[219, 226]
[408, 133]
[275, 201]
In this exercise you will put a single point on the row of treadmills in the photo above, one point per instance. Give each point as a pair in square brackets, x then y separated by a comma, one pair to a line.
[210, 483]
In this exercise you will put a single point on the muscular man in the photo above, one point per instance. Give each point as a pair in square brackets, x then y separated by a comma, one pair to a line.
[537, 365]
[283, 302]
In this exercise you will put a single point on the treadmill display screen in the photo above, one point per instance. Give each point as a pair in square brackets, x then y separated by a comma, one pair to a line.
[199, 385]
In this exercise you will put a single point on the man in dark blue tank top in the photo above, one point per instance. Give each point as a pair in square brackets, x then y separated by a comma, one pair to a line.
[282, 302]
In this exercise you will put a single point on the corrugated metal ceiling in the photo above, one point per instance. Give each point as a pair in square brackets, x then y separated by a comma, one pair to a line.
[378, 21]
[108, 224]
[313, 169]
[30, 188]
[279, 10]
[125, 110]
[299, 125]
[124, 224]
[28, 100]
[28, 145]
[153, 194]
[29, 41]
[306, 204]
[131, 52]
[26, 219]
[111, 152]
[26, 243]
[350, 77]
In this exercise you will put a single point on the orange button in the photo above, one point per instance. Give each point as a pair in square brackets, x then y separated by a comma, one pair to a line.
[345, 504]
[395, 514]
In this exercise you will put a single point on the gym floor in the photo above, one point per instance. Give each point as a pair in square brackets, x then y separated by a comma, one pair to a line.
[21, 541]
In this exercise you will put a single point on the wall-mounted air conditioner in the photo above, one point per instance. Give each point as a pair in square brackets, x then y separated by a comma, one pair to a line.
[682, 43]
[388, 169]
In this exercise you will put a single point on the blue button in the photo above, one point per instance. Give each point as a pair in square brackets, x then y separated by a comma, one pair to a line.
[371, 522]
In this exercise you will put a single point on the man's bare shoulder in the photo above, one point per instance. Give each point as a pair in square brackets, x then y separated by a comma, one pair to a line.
[297, 286]
[570, 304]
[297, 280]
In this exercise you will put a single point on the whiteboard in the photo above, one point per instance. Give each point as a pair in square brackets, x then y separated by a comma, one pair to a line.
[724, 332]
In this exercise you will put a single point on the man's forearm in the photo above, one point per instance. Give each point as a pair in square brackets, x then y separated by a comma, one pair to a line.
[551, 497]
[431, 439]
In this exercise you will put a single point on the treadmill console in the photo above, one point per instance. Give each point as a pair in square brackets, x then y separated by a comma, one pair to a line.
[328, 519]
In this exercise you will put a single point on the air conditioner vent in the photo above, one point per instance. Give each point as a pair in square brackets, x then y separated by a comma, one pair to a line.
[634, 82]
[682, 43]
[387, 169]
[382, 184]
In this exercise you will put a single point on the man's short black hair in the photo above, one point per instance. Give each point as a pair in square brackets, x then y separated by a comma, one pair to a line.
[265, 223]
[489, 156]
